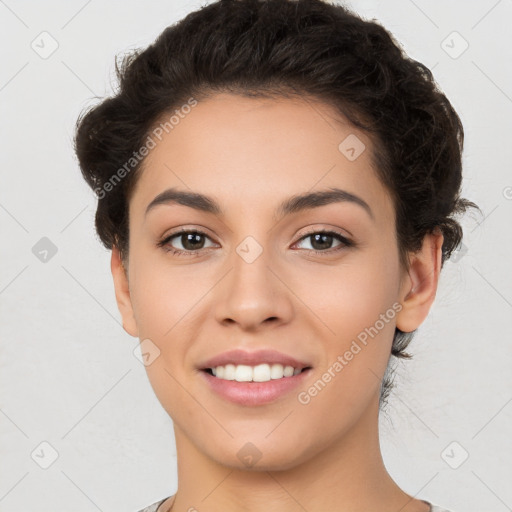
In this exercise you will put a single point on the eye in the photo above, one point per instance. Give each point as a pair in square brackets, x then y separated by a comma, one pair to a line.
[322, 239]
[190, 240]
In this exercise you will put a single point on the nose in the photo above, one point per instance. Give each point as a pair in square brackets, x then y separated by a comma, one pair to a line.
[253, 294]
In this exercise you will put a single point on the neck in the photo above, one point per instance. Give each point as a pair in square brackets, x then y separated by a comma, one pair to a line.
[347, 476]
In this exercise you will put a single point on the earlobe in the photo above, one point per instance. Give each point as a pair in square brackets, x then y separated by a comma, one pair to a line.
[122, 291]
[419, 288]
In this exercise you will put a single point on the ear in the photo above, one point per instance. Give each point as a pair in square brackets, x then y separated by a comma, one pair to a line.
[419, 286]
[122, 290]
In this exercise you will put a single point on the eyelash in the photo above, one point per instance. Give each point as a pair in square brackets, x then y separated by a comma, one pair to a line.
[345, 242]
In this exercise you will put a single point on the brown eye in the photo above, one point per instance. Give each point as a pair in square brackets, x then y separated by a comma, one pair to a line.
[191, 241]
[321, 241]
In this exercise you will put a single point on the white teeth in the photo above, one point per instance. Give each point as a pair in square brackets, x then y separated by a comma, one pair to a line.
[260, 373]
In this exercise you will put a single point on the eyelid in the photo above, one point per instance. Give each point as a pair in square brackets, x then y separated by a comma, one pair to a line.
[337, 231]
[195, 228]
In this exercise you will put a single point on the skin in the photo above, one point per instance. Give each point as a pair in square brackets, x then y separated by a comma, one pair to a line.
[251, 154]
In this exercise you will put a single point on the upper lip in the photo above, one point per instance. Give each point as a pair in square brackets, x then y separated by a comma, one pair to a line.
[257, 357]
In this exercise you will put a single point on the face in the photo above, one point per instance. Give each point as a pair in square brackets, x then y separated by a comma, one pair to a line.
[311, 283]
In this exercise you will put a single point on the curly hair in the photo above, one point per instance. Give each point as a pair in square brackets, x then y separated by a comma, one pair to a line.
[286, 48]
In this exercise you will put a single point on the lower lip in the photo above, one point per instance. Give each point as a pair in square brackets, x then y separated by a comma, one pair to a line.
[254, 393]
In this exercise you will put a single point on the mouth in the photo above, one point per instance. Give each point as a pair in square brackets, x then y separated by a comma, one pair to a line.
[253, 386]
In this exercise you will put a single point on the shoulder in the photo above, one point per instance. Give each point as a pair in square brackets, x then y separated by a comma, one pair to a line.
[153, 507]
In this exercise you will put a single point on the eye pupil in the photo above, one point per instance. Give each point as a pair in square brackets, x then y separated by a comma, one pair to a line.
[325, 240]
[190, 237]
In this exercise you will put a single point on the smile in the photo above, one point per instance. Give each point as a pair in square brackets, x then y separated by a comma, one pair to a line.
[241, 385]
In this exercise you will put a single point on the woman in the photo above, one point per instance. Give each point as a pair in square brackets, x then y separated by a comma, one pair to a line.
[277, 183]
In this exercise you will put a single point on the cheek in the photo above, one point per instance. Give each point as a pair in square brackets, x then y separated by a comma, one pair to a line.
[351, 295]
[163, 295]
[357, 305]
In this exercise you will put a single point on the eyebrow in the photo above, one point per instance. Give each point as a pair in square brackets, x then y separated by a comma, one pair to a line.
[291, 205]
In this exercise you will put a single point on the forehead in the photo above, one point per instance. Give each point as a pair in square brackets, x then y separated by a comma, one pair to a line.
[249, 151]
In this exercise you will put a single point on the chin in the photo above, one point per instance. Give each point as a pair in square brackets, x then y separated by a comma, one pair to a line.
[259, 456]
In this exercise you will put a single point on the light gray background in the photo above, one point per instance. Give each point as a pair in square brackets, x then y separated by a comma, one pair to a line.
[68, 372]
